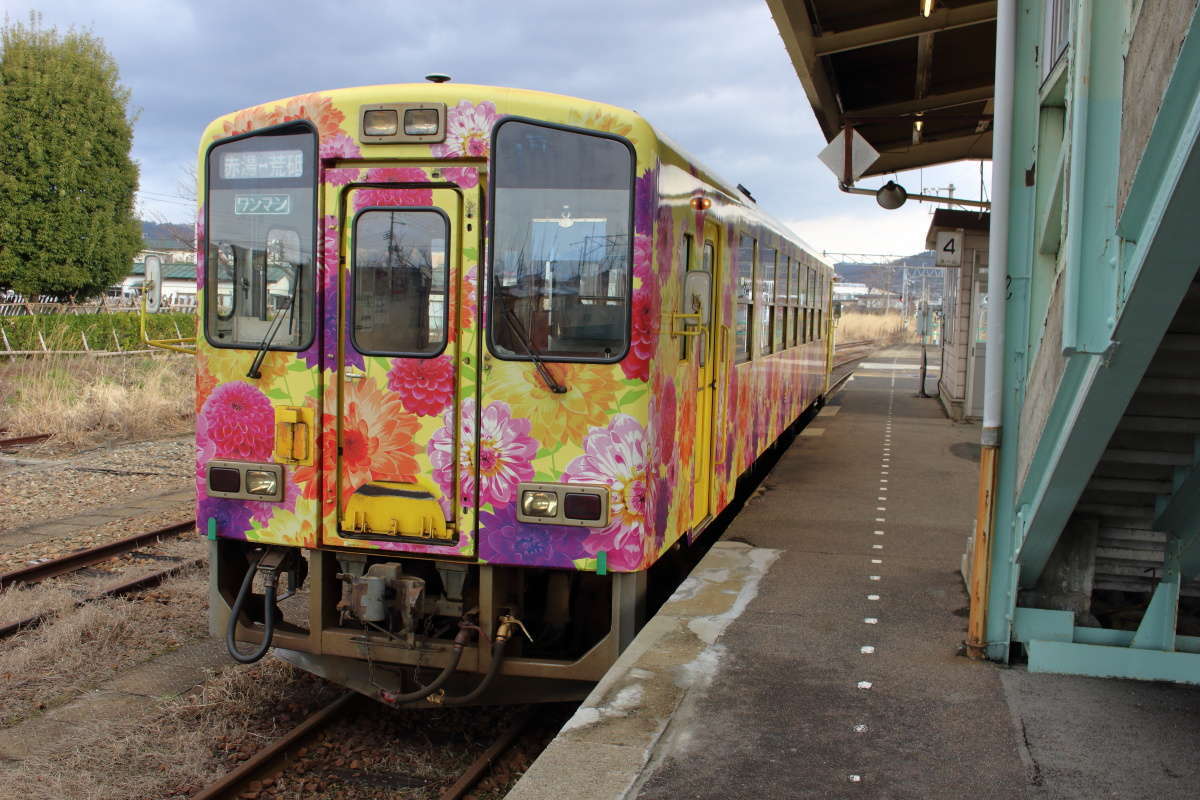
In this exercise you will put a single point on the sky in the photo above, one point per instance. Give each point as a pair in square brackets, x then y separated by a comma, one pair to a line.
[713, 75]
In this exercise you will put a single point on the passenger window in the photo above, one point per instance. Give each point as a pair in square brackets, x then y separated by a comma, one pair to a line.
[745, 298]
[685, 259]
[400, 274]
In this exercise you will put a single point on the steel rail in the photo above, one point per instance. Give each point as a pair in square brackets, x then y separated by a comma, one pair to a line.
[20, 440]
[72, 562]
[479, 767]
[273, 758]
[137, 584]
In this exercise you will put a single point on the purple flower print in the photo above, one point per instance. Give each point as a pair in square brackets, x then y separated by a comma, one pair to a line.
[232, 516]
[645, 197]
[504, 540]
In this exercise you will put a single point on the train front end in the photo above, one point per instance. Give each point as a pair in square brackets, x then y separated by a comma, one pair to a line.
[419, 486]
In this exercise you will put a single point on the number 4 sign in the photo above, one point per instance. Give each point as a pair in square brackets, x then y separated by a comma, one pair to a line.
[949, 248]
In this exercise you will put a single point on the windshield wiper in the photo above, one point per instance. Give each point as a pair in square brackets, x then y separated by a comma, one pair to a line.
[255, 372]
[531, 351]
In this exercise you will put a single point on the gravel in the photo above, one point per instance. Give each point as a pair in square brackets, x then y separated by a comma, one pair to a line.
[37, 489]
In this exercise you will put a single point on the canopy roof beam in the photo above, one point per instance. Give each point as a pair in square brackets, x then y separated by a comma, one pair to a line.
[942, 20]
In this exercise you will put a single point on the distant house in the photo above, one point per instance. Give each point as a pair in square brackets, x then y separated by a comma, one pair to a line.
[179, 282]
[861, 296]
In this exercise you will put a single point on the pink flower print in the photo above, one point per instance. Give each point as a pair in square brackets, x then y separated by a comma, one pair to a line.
[238, 422]
[339, 146]
[506, 453]
[616, 457]
[466, 177]
[408, 196]
[647, 308]
[468, 131]
[425, 385]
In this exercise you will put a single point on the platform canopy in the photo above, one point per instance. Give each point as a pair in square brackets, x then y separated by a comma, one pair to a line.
[918, 88]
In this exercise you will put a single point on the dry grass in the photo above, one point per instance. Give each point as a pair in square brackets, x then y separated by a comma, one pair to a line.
[58, 595]
[84, 400]
[78, 651]
[179, 744]
[883, 328]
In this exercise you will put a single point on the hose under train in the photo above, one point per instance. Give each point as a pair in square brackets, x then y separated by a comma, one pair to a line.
[268, 616]
[460, 642]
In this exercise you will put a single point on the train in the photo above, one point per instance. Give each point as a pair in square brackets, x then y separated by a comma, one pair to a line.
[473, 362]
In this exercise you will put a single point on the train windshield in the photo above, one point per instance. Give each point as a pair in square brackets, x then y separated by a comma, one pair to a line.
[259, 258]
[561, 244]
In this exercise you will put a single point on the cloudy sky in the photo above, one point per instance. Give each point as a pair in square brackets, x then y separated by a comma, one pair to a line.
[711, 74]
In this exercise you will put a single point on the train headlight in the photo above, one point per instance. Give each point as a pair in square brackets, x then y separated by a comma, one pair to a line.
[238, 480]
[262, 482]
[539, 504]
[382, 122]
[421, 121]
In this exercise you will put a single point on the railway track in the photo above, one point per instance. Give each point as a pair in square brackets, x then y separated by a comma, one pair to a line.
[81, 559]
[261, 769]
[17, 441]
[847, 352]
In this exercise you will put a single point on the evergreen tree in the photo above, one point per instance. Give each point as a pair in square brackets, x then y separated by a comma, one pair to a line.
[67, 181]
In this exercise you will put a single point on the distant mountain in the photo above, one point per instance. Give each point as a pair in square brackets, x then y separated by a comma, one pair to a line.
[167, 236]
[888, 275]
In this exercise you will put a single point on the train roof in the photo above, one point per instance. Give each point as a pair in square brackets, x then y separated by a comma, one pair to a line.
[534, 103]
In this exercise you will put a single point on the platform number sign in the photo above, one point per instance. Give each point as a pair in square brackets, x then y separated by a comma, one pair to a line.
[949, 248]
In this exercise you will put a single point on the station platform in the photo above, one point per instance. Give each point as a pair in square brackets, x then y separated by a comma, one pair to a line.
[816, 649]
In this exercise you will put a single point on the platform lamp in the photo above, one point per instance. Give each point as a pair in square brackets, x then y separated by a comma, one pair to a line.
[891, 196]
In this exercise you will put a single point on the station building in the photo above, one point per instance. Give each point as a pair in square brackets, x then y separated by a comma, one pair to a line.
[1086, 552]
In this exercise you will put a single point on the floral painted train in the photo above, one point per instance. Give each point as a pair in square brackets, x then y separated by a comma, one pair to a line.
[471, 362]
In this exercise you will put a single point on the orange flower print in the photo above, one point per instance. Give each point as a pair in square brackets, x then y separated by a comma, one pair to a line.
[313, 107]
[377, 438]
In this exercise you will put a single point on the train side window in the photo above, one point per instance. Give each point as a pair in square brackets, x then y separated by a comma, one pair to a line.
[400, 271]
[779, 324]
[812, 304]
[794, 301]
[745, 298]
[766, 298]
[685, 259]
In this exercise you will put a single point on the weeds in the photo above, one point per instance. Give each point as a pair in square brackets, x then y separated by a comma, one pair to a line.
[84, 400]
[885, 329]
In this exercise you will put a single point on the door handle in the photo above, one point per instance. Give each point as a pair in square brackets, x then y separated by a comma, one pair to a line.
[353, 373]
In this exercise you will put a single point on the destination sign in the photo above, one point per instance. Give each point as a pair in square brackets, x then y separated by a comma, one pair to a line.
[259, 164]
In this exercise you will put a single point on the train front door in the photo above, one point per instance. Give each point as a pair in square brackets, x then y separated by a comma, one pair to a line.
[698, 298]
[404, 314]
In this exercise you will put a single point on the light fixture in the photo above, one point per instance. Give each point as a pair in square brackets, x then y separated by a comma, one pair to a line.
[891, 196]
[379, 122]
[539, 504]
[919, 124]
[421, 121]
[926, 7]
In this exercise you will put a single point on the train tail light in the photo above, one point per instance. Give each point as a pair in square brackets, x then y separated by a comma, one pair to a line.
[589, 507]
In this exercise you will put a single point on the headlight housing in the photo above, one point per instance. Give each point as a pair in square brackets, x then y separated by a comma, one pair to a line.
[238, 480]
[262, 482]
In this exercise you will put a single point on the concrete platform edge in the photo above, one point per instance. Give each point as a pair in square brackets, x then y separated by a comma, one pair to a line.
[624, 724]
